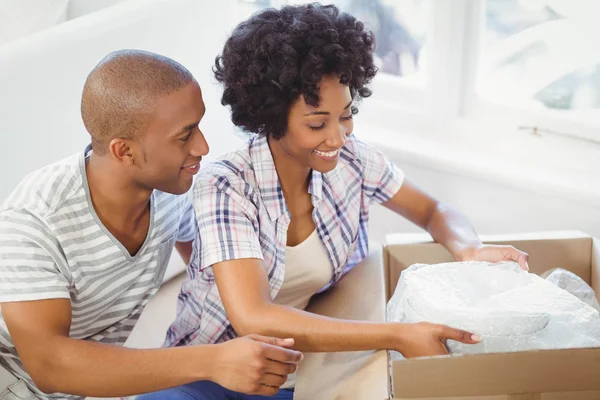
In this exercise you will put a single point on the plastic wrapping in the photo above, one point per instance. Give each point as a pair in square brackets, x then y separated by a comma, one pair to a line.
[512, 310]
[573, 284]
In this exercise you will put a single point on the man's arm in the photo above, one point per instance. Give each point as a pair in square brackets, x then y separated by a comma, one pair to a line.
[57, 363]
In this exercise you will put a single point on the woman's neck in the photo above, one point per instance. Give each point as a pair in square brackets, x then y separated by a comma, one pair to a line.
[293, 177]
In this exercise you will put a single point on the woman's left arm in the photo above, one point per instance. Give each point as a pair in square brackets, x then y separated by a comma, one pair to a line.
[449, 227]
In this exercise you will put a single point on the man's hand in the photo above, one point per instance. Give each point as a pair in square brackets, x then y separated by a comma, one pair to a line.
[426, 339]
[255, 364]
[60, 364]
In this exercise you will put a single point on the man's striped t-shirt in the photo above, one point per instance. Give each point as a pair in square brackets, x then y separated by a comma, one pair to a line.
[53, 245]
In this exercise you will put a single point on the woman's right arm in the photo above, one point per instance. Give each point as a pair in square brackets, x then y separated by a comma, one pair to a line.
[244, 289]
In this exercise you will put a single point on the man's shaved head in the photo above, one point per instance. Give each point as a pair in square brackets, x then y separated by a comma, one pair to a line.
[121, 92]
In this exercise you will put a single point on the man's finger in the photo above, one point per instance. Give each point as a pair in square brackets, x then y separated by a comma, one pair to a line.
[272, 340]
[287, 343]
[266, 390]
[273, 380]
[281, 354]
[280, 368]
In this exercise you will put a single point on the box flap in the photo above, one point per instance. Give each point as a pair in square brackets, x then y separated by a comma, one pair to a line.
[416, 238]
[497, 374]
[400, 257]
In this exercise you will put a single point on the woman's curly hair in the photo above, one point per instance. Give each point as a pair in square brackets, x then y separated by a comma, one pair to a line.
[277, 55]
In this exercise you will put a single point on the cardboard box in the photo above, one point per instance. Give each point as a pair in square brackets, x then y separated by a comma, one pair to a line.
[362, 295]
[533, 375]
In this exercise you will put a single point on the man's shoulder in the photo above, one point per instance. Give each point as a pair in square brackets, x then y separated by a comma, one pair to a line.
[45, 190]
[166, 203]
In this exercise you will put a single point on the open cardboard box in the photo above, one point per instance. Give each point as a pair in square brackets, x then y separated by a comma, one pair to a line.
[533, 375]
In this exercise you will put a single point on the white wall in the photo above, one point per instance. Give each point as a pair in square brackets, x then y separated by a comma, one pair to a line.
[78, 8]
[497, 193]
[41, 76]
[19, 18]
[492, 207]
[41, 79]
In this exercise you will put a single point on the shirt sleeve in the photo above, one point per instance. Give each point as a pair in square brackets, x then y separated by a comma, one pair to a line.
[187, 226]
[31, 265]
[227, 222]
[382, 179]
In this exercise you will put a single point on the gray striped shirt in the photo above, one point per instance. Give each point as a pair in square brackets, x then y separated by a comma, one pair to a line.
[53, 245]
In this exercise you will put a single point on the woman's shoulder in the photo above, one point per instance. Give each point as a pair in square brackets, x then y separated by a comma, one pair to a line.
[230, 170]
[232, 163]
[361, 158]
[359, 148]
[357, 152]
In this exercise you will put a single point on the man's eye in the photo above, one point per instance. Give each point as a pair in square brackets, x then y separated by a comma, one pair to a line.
[186, 137]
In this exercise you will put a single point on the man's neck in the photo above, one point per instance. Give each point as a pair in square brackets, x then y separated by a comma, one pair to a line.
[117, 200]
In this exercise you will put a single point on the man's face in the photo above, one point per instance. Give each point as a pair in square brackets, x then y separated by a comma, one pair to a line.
[173, 145]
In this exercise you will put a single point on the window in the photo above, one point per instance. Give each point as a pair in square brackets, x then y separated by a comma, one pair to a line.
[401, 29]
[527, 63]
[542, 55]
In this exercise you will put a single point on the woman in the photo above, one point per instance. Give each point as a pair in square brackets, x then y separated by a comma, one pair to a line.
[286, 216]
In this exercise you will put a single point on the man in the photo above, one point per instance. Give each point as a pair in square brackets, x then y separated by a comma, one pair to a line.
[84, 244]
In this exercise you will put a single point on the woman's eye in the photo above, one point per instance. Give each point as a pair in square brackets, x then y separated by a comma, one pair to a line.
[316, 128]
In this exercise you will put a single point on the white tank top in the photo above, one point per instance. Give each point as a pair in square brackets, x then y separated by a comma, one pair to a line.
[307, 270]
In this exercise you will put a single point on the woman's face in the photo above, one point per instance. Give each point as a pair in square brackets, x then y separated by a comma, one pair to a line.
[315, 136]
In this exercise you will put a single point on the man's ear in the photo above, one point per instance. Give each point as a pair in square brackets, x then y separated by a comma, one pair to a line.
[122, 151]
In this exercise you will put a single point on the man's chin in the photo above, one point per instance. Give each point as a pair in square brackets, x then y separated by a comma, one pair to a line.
[186, 188]
[180, 188]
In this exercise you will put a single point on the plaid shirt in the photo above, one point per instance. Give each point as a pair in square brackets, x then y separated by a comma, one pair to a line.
[241, 213]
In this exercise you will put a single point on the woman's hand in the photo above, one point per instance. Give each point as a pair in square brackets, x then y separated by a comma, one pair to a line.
[494, 253]
[427, 339]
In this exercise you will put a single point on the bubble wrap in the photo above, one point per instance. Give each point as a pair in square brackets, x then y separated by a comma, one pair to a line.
[573, 284]
[512, 310]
